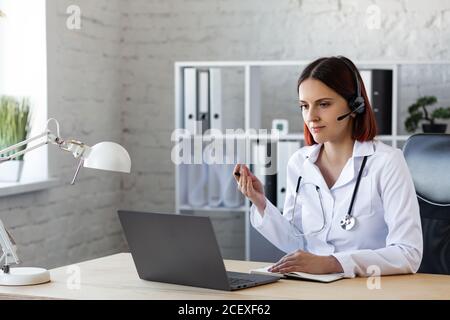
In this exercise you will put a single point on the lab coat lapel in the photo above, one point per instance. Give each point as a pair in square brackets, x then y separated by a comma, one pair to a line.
[310, 172]
[351, 169]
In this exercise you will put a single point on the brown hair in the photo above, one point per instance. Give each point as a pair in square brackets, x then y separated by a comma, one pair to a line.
[336, 74]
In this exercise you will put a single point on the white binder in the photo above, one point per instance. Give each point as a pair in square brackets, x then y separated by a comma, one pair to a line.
[190, 100]
[197, 178]
[366, 76]
[222, 187]
[203, 101]
[215, 197]
[215, 95]
[285, 150]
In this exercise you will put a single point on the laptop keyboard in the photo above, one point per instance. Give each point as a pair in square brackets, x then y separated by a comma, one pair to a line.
[239, 282]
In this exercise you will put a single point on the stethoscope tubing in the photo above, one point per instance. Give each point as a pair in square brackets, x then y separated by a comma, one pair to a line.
[348, 216]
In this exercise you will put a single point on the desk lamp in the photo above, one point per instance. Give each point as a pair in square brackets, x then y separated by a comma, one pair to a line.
[103, 156]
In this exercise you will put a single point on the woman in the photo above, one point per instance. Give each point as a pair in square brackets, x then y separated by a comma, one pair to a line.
[322, 229]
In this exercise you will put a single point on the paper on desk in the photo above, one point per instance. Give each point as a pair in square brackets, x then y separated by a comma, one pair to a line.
[301, 275]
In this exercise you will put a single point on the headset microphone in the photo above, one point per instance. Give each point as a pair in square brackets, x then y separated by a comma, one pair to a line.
[344, 116]
[349, 113]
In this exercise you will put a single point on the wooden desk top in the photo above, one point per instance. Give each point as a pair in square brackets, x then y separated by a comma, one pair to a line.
[115, 277]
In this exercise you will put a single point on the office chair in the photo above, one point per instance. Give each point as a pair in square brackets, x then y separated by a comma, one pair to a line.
[428, 159]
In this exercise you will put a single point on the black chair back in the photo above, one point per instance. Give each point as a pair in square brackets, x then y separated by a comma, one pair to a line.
[428, 158]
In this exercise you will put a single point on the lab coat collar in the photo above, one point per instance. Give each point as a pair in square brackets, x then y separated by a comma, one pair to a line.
[312, 173]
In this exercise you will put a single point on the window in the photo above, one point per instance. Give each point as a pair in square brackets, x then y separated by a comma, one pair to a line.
[23, 70]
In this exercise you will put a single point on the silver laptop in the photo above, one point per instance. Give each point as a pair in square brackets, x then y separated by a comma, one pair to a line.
[181, 249]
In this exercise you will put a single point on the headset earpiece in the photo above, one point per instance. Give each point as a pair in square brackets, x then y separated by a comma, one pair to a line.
[356, 103]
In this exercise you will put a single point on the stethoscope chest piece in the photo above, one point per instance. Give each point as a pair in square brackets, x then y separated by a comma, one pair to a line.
[348, 222]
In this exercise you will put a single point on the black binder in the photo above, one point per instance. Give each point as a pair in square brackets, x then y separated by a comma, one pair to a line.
[381, 98]
[260, 248]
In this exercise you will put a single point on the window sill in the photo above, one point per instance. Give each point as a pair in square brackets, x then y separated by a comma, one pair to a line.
[14, 188]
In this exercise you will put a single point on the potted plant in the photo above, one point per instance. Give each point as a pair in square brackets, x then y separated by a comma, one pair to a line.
[418, 111]
[14, 128]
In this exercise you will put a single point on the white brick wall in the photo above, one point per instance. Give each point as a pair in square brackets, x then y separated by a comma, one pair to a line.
[113, 80]
[67, 224]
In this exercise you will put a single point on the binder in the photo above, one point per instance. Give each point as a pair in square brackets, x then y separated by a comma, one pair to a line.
[222, 187]
[215, 96]
[264, 166]
[183, 168]
[366, 76]
[260, 249]
[190, 99]
[378, 84]
[215, 172]
[382, 100]
[215, 197]
[203, 101]
[197, 179]
[285, 150]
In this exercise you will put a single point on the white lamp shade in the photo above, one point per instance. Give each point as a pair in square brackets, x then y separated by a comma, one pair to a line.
[108, 156]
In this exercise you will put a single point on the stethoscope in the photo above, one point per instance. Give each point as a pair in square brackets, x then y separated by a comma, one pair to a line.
[348, 222]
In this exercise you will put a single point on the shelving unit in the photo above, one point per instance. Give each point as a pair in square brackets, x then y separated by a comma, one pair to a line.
[252, 111]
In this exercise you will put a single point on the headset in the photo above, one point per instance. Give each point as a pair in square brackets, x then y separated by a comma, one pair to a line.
[356, 102]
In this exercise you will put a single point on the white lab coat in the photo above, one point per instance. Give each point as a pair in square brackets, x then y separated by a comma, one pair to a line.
[387, 236]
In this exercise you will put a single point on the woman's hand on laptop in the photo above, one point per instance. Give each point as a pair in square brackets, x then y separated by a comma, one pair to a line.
[250, 186]
[302, 261]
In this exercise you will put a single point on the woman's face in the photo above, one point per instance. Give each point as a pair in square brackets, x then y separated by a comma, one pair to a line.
[321, 106]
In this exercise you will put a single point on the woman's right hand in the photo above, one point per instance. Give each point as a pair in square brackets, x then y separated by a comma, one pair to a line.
[250, 186]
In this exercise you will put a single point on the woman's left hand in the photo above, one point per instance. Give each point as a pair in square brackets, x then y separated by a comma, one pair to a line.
[302, 261]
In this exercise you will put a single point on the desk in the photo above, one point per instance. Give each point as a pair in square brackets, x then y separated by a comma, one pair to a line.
[115, 277]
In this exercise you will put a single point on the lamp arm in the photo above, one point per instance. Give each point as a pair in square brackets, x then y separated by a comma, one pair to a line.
[17, 145]
[77, 148]
[17, 154]
[51, 138]
[8, 248]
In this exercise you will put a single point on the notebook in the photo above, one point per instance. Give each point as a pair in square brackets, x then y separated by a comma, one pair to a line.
[301, 275]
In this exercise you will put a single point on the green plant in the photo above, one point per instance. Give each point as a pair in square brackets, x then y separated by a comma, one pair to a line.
[14, 123]
[418, 111]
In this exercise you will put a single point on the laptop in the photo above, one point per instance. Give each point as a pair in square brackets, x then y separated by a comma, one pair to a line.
[181, 249]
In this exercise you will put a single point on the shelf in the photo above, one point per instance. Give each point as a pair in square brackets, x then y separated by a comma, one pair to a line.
[14, 188]
[238, 136]
[390, 137]
[289, 136]
[293, 136]
[207, 208]
[268, 63]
